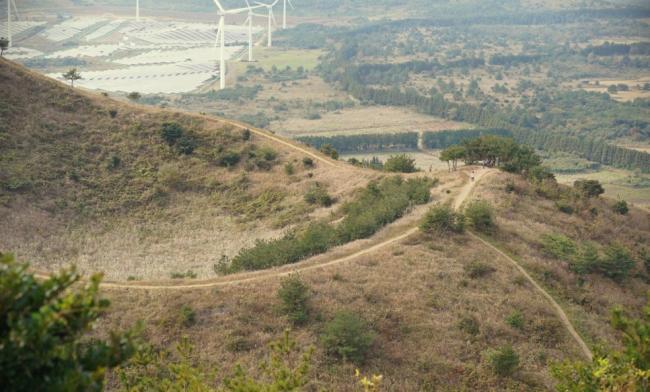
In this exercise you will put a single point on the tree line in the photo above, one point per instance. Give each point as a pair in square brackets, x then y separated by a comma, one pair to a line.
[365, 142]
[520, 122]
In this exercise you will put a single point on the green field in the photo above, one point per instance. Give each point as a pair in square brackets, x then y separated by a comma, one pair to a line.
[281, 58]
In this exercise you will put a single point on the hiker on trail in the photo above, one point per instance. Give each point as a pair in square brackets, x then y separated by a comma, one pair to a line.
[472, 176]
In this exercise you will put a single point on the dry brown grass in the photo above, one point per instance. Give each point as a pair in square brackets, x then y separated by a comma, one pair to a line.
[414, 294]
[363, 119]
[130, 221]
[523, 217]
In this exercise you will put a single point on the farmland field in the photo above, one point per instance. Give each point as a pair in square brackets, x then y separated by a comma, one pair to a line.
[365, 119]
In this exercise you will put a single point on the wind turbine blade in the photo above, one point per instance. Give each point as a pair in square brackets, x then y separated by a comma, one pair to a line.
[274, 3]
[246, 21]
[236, 11]
[15, 9]
[291, 5]
[273, 17]
[219, 5]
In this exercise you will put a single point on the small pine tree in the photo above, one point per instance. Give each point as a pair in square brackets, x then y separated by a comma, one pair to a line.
[294, 295]
[72, 75]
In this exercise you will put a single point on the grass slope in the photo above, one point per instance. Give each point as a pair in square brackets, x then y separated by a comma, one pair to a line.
[89, 180]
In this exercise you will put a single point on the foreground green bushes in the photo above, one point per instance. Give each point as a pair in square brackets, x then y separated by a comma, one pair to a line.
[376, 205]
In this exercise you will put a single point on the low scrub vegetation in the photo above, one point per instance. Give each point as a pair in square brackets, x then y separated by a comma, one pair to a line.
[613, 261]
[317, 194]
[480, 216]
[443, 219]
[624, 369]
[401, 163]
[347, 336]
[504, 361]
[476, 269]
[378, 204]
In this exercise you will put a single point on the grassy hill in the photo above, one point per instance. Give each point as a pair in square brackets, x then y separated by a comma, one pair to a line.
[138, 192]
[438, 305]
[147, 194]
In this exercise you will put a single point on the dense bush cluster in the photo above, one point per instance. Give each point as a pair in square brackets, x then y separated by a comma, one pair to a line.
[480, 215]
[401, 163]
[443, 219]
[178, 138]
[375, 206]
[613, 261]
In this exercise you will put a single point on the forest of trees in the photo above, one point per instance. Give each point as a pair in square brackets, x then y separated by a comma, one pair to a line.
[525, 126]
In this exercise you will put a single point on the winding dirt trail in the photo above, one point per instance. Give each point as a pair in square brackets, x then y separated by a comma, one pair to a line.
[558, 309]
[465, 193]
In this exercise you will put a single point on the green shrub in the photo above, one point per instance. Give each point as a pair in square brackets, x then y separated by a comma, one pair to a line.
[246, 134]
[317, 194]
[620, 207]
[45, 338]
[585, 259]
[480, 215]
[171, 132]
[187, 316]
[470, 325]
[616, 262]
[515, 319]
[558, 246]
[289, 169]
[316, 238]
[267, 153]
[227, 158]
[400, 164]
[564, 206]
[348, 337]
[504, 361]
[186, 144]
[294, 295]
[377, 205]
[330, 151]
[476, 269]
[182, 275]
[589, 188]
[442, 219]
[308, 162]
[381, 203]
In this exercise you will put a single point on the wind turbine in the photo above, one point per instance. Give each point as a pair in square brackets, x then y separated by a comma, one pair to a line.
[284, 12]
[249, 22]
[137, 10]
[271, 20]
[221, 39]
[9, 35]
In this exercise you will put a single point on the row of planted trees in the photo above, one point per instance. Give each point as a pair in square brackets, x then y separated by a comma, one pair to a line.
[492, 151]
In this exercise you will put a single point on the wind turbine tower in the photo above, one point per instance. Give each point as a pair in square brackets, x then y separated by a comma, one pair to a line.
[9, 31]
[271, 20]
[284, 12]
[221, 39]
[137, 10]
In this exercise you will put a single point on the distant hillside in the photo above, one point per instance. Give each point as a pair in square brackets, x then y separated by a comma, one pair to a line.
[83, 175]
